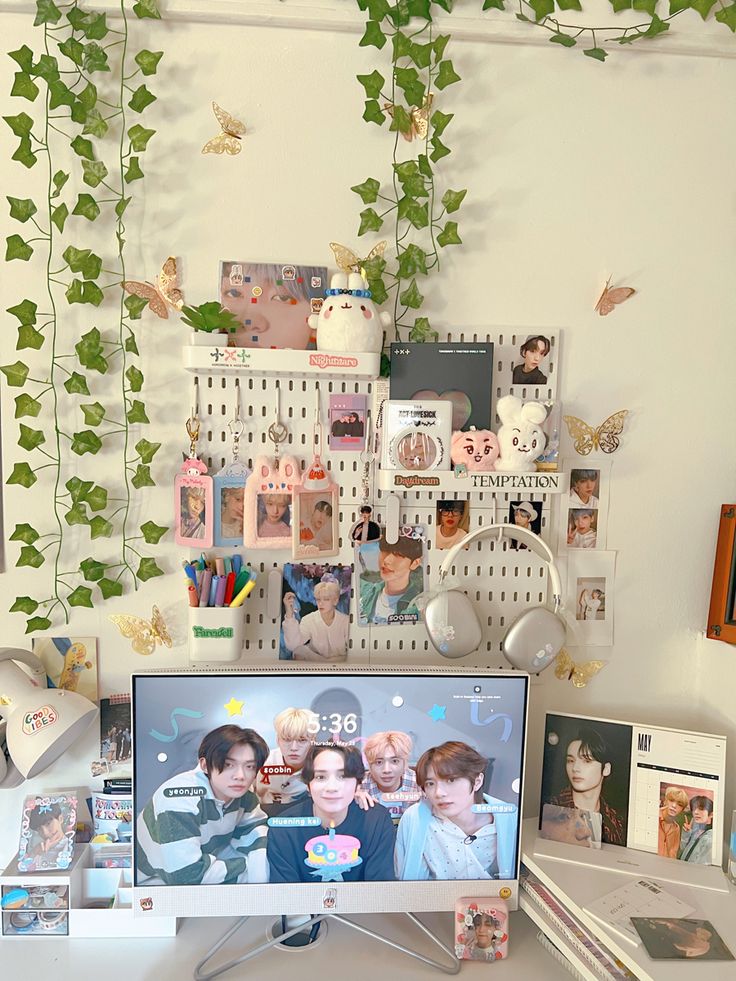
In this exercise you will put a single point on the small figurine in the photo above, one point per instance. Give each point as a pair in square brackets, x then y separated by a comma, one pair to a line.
[478, 449]
[349, 320]
[520, 437]
[365, 530]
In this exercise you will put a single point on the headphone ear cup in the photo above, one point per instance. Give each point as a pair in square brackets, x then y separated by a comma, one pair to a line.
[452, 624]
[534, 639]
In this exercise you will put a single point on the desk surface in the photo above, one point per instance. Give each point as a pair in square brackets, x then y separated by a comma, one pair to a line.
[342, 951]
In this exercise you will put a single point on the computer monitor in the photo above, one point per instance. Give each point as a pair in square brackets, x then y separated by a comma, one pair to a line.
[248, 785]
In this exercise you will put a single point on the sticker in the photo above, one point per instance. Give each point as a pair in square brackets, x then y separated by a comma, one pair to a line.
[316, 282]
[504, 892]
[147, 904]
[236, 275]
[316, 303]
[256, 291]
[329, 900]
[38, 720]
[288, 272]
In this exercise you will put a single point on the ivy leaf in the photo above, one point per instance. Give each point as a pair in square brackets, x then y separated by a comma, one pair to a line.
[133, 172]
[21, 125]
[95, 124]
[565, 40]
[401, 120]
[16, 374]
[24, 604]
[93, 412]
[411, 261]
[85, 441]
[373, 84]
[21, 209]
[59, 180]
[703, 7]
[135, 378]
[37, 623]
[73, 49]
[23, 475]
[649, 6]
[141, 98]
[148, 61]
[424, 165]
[47, 67]
[153, 533]
[130, 345]
[410, 84]
[411, 297]
[46, 13]
[570, 4]
[29, 337]
[77, 515]
[78, 489]
[94, 172]
[97, 498]
[146, 450]
[373, 36]
[378, 290]
[414, 186]
[401, 44]
[24, 87]
[23, 57]
[139, 137]
[88, 95]
[418, 214]
[16, 248]
[142, 477]
[84, 292]
[370, 221]
[100, 527]
[420, 8]
[452, 200]
[373, 112]
[599, 54]
[76, 384]
[121, 206]
[92, 570]
[439, 150]
[421, 54]
[97, 28]
[447, 74]
[726, 15]
[83, 148]
[83, 261]
[25, 533]
[81, 596]
[422, 332]
[135, 305]
[368, 190]
[449, 235]
[541, 8]
[495, 4]
[24, 154]
[110, 587]
[146, 8]
[25, 311]
[87, 207]
[95, 58]
[29, 555]
[440, 121]
[137, 412]
[26, 405]
[59, 216]
[148, 570]
[30, 438]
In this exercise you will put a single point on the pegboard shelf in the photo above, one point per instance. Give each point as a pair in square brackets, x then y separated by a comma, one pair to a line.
[252, 361]
[499, 482]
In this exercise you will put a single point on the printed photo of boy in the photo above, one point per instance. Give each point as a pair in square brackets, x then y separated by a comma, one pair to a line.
[391, 576]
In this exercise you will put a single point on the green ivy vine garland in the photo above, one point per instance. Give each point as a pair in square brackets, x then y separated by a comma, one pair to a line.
[74, 113]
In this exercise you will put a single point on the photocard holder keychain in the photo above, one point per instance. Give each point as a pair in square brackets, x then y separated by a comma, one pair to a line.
[229, 486]
[315, 531]
[193, 497]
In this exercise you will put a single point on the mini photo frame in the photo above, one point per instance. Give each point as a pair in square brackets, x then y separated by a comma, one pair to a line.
[193, 505]
[481, 928]
[722, 612]
[229, 497]
[47, 832]
[268, 503]
[348, 422]
[315, 526]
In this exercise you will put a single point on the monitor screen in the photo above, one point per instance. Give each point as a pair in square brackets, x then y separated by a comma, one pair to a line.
[299, 791]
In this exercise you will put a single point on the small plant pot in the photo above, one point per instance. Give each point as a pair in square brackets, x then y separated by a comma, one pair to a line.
[203, 338]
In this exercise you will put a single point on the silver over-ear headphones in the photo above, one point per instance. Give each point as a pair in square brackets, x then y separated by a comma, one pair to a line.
[535, 637]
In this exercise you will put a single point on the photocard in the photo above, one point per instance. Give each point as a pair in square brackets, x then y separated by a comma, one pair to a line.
[590, 584]
[525, 514]
[452, 523]
[347, 417]
[315, 618]
[390, 577]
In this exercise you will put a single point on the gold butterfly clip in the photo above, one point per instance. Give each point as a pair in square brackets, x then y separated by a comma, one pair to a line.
[579, 674]
[144, 634]
[605, 437]
[348, 261]
[167, 293]
[419, 117]
[610, 298]
[230, 139]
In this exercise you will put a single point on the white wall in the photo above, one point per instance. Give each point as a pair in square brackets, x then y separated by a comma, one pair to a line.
[575, 171]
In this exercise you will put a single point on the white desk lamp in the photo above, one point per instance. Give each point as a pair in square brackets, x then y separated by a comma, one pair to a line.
[41, 722]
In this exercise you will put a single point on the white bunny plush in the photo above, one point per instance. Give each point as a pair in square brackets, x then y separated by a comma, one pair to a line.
[349, 320]
[520, 437]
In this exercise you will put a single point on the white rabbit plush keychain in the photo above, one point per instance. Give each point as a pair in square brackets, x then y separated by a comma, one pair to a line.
[521, 438]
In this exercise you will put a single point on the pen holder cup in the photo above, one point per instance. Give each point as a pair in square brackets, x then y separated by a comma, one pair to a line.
[216, 633]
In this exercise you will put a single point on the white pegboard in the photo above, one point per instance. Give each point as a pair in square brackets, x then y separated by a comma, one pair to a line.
[500, 580]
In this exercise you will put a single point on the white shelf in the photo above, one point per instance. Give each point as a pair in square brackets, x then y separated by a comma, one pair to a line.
[498, 482]
[254, 361]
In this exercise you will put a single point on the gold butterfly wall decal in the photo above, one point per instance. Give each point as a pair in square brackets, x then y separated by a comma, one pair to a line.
[605, 437]
[167, 293]
[610, 298]
[419, 117]
[579, 674]
[348, 261]
[144, 634]
[229, 140]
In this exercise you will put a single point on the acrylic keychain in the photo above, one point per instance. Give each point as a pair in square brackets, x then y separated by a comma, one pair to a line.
[365, 528]
[193, 491]
[269, 491]
[315, 531]
[229, 486]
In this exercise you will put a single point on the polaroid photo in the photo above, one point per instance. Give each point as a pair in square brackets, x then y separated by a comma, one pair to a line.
[273, 302]
[571, 825]
[229, 497]
[590, 585]
[315, 530]
[347, 421]
[390, 577]
[685, 822]
[47, 832]
[525, 514]
[70, 662]
[269, 501]
[670, 938]
[452, 523]
[115, 739]
[315, 618]
[193, 505]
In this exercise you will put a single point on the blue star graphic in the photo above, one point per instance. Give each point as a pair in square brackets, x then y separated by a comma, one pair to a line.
[437, 712]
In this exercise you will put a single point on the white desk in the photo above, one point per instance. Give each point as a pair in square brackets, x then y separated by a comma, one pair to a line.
[576, 885]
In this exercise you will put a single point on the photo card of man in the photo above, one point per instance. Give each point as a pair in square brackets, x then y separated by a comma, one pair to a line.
[668, 938]
[267, 514]
[571, 825]
[272, 301]
[530, 368]
[315, 522]
[347, 422]
[229, 494]
[590, 584]
[115, 738]
[452, 523]
[193, 505]
[315, 619]
[460, 373]
[525, 514]
[685, 823]
[582, 528]
[70, 662]
[589, 494]
[390, 577]
[47, 832]
[587, 766]
[481, 928]
[416, 435]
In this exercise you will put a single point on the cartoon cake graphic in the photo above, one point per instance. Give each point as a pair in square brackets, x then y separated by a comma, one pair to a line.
[330, 855]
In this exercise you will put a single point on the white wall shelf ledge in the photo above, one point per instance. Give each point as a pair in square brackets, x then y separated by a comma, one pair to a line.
[500, 482]
[250, 361]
